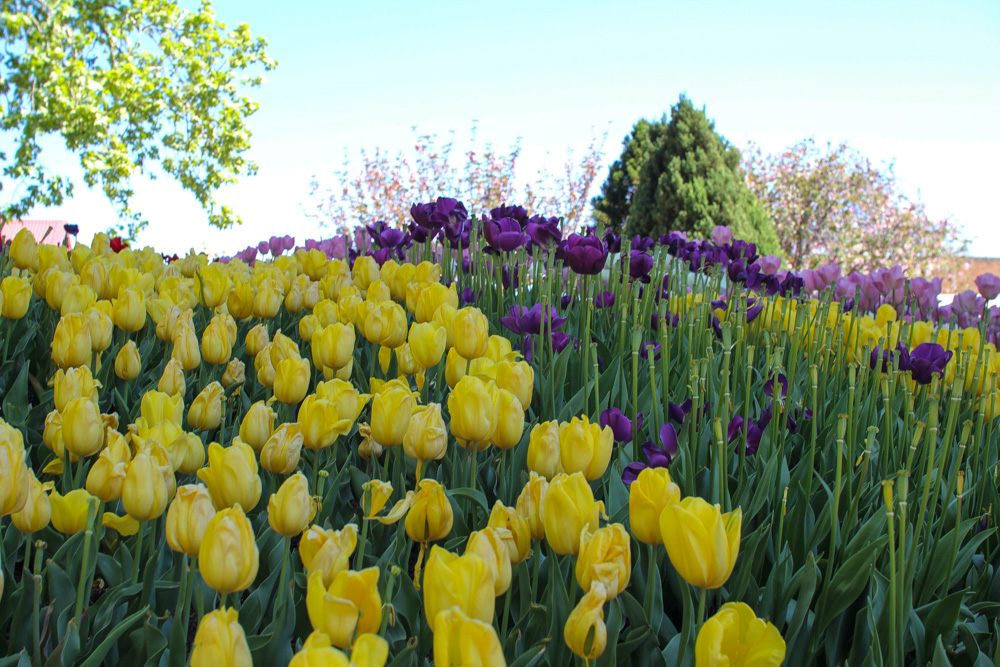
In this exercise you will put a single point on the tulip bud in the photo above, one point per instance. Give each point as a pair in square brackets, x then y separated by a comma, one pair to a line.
[37, 510]
[235, 374]
[258, 425]
[585, 447]
[145, 492]
[291, 380]
[517, 377]
[510, 421]
[348, 607]
[586, 620]
[702, 542]
[460, 640]
[650, 493]
[82, 428]
[291, 509]
[69, 512]
[173, 380]
[228, 556]
[186, 349]
[471, 331]
[734, 634]
[426, 437]
[127, 362]
[216, 346]
[328, 551]
[544, 455]
[256, 340]
[71, 343]
[530, 503]
[465, 582]
[231, 475]
[220, 641]
[280, 454]
[205, 413]
[474, 404]
[569, 507]
[490, 545]
[16, 293]
[427, 343]
[519, 544]
[187, 518]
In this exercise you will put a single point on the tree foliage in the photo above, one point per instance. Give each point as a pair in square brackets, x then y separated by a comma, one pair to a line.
[680, 174]
[129, 85]
[835, 205]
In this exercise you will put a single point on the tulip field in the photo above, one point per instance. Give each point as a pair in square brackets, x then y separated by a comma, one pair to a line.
[480, 441]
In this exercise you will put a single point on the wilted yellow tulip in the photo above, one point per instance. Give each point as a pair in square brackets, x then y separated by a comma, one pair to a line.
[235, 374]
[291, 380]
[22, 249]
[69, 512]
[427, 343]
[82, 427]
[391, 408]
[544, 456]
[702, 542]
[16, 292]
[71, 344]
[585, 447]
[205, 413]
[220, 641]
[569, 507]
[465, 582]
[228, 556]
[430, 516]
[490, 544]
[471, 331]
[107, 475]
[127, 362]
[291, 508]
[510, 421]
[37, 510]
[211, 285]
[519, 544]
[517, 377]
[129, 309]
[605, 556]
[587, 620]
[172, 381]
[531, 502]
[216, 346]
[348, 607]
[328, 551]
[256, 340]
[735, 636]
[282, 450]
[460, 640]
[231, 475]
[426, 438]
[14, 476]
[186, 348]
[650, 493]
[258, 425]
[187, 518]
[474, 405]
[377, 494]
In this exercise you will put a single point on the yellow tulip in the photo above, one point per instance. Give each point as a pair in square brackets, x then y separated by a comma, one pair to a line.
[258, 425]
[205, 413]
[465, 582]
[187, 518]
[569, 508]
[431, 298]
[281, 452]
[605, 556]
[426, 437]
[101, 327]
[107, 475]
[73, 383]
[186, 348]
[126, 526]
[378, 291]
[517, 377]
[308, 326]
[702, 542]
[348, 401]
[650, 493]
[378, 494]
[427, 343]
[455, 366]
[127, 362]
[82, 427]
[211, 285]
[391, 408]
[235, 373]
[318, 652]
[23, 249]
[320, 422]
[544, 456]
[231, 475]
[69, 512]
[585, 447]
[77, 299]
[291, 508]
[519, 544]
[264, 368]
[216, 345]
[16, 292]
[471, 331]
[57, 285]
[460, 640]
[239, 303]
[267, 300]
[186, 453]
[281, 348]
[220, 641]
[385, 324]
[167, 323]
[129, 309]
[490, 544]
[173, 381]
[256, 340]
[328, 551]
[14, 477]
[364, 272]
[37, 509]
[430, 516]
[333, 345]
[71, 344]
[145, 492]
[228, 556]
[95, 276]
[510, 421]
[735, 636]
[587, 619]
[474, 405]
[530, 503]
[348, 607]
[291, 380]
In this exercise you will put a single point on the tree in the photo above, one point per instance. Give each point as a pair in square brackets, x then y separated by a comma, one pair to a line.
[837, 206]
[682, 175]
[129, 85]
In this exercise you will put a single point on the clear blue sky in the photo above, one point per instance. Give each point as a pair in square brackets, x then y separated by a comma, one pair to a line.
[917, 83]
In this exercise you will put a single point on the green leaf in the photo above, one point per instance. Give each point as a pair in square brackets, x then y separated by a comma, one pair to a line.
[847, 584]
[942, 618]
[15, 403]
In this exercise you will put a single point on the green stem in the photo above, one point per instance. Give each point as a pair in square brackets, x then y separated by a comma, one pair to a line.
[37, 595]
[138, 553]
[81, 587]
[702, 594]
[283, 583]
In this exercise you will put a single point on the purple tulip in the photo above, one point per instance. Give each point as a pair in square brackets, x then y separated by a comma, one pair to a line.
[468, 296]
[678, 412]
[566, 300]
[782, 382]
[620, 424]
[642, 243]
[888, 357]
[447, 210]
[387, 237]
[800, 415]
[585, 255]
[988, 285]
[517, 213]
[927, 359]
[644, 350]
[770, 264]
[721, 235]
[504, 234]
[524, 320]
[613, 241]
[604, 300]
[543, 232]
[657, 457]
[735, 428]
[560, 340]
[640, 264]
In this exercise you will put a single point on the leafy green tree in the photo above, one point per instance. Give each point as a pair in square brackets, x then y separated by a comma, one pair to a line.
[129, 85]
[680, 174]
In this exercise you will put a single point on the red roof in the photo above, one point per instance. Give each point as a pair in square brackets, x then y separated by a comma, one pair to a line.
[52, 231]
